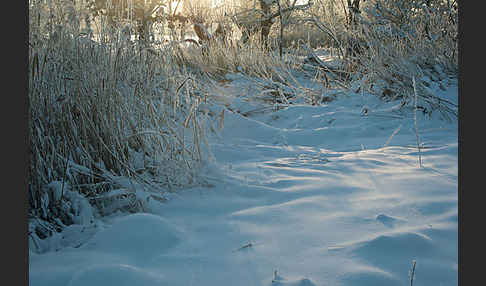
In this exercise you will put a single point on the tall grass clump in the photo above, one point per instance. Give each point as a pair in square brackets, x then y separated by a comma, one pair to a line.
[391, 42]
[107, 119]
[382, 45]
[234, 47]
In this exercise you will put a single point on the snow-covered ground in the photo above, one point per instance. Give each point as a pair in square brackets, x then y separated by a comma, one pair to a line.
[306, 195]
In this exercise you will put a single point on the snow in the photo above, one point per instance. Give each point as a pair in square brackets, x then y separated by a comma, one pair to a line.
[306, 195]
[126, 275]
[150, 234]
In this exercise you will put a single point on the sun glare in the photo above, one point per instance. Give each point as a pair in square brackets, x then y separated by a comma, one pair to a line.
[216, 3]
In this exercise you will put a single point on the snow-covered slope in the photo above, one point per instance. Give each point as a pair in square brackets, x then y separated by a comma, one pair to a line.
[307, 195]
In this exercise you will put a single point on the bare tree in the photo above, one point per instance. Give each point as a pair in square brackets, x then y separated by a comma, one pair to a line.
[252, 21]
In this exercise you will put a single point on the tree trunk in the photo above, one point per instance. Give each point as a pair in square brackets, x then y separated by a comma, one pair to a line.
[266, 25]
[353, 7]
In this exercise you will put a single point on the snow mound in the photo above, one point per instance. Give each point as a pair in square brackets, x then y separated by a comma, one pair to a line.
[403, 245]
[137, 236]
[394, 254]
[239, 129]
[370, 279]
[389, 221]
[115, 274]
[281, 281]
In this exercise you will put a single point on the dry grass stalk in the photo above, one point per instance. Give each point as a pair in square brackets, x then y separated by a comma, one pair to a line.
[95, 105]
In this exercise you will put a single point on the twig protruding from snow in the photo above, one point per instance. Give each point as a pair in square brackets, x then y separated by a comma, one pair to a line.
[412, 272]
[415, 121]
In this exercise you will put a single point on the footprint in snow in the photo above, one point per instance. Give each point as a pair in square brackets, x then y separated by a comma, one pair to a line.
[389, 221]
